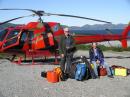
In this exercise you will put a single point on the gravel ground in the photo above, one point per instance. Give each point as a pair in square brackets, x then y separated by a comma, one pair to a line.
[25, 81]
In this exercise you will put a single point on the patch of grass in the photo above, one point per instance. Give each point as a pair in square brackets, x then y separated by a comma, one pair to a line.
[2, 55]
[104, 48]
[83, 47]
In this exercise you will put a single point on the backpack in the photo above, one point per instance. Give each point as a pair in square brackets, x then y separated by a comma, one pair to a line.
[89, 72]
[81, 69]
[72, 71]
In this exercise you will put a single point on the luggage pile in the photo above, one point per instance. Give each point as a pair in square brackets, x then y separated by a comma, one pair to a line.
[80, 70]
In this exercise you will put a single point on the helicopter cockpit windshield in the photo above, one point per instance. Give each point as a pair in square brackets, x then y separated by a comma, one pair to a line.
[13, 33]
[12, 38]
[3, 34]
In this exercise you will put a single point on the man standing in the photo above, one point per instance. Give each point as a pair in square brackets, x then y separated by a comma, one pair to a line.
[66, 50]
[97, 58]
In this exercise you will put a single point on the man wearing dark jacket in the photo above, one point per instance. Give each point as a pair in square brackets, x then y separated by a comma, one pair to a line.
[97, 58]
[66, 50]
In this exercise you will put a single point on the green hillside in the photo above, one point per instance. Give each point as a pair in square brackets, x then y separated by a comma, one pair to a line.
[104, 48]
[6, 25]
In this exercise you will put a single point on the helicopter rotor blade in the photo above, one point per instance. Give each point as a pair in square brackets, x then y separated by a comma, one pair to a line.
[19, 9]
[39, 13]
[15, 19]
[42, 13]
[64, 15]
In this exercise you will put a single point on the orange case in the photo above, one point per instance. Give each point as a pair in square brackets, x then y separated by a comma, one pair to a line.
[52, 77]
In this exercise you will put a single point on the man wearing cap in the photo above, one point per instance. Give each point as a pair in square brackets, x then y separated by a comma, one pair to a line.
[97, 58]
[66, 50]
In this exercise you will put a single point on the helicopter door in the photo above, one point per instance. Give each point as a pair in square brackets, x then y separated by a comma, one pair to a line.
[23, 39]
[11, 39]
[26, 40]
[30, 39]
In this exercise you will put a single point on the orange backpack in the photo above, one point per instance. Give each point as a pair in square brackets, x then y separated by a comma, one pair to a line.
[58, 71]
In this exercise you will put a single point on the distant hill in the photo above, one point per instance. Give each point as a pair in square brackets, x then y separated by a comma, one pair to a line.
[7, 25]
[99, 27]
[85, 27]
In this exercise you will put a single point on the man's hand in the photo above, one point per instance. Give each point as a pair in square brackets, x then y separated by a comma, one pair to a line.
[62, 55]
[97, 62]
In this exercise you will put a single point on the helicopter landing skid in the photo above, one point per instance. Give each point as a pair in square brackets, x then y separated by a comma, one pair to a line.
[51, 61]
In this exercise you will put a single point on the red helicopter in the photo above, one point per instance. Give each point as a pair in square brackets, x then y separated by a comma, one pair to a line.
[38, 39]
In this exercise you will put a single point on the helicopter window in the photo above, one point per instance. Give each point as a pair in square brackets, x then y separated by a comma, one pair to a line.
[56, 28]
[12, 34]
[10, 42]
[3, 34]
[30, 35]
[24, 36]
